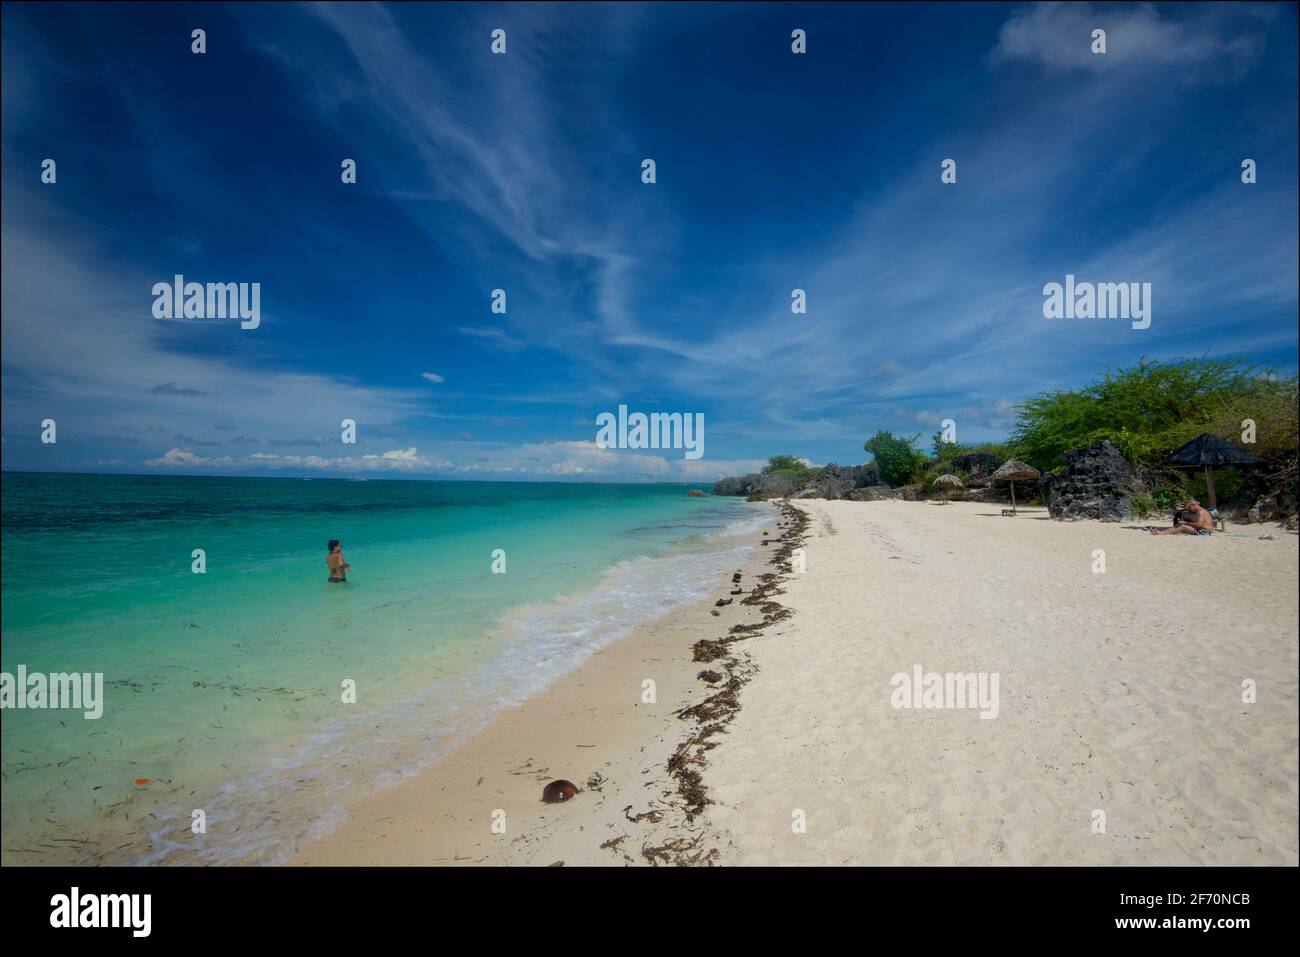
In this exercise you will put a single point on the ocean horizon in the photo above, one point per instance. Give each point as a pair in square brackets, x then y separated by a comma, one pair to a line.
[224, 688]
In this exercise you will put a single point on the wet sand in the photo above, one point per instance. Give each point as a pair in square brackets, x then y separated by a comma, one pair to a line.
[594, 727]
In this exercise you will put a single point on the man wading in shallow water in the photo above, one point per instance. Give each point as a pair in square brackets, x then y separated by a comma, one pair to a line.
[335, 563]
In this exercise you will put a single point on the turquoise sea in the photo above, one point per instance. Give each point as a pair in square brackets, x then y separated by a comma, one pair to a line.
[224, 690]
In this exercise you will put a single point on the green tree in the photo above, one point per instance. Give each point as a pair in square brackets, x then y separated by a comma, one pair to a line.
[898, 457]
[783, 463]
[944, 451]
[791, 466]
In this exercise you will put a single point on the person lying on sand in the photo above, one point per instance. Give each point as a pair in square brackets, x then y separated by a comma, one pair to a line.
[1202, 523]
[335, 563]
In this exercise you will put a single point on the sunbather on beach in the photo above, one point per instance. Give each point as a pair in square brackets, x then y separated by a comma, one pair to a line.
[1202, 523]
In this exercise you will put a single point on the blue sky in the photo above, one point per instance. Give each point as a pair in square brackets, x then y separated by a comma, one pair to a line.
[522, 171]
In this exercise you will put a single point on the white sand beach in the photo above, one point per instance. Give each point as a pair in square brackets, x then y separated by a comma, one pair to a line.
[1119, 694]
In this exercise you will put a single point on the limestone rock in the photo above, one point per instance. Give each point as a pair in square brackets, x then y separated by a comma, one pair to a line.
[733, 485]
[769, 486]
[1097, 483]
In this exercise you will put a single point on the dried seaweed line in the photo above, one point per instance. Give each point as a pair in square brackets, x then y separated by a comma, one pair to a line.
[717, 710]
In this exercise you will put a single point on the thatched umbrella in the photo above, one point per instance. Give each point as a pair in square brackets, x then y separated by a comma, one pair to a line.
[1209, 452]
[948, 482]
[1014, 471]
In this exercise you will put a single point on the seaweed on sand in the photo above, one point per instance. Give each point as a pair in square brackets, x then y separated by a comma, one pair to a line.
[681, 852]
[716, 711]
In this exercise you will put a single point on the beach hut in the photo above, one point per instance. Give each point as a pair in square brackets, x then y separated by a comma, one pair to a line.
[1210, 452]
[1014, 471]
[948, 482]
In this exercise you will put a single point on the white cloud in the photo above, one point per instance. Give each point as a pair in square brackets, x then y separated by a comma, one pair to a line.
[403, 455]
[1059, 37]
[432, 377]
[400, 460]
[85, 348]
[581, 460]
[182, 459]
[585, 459]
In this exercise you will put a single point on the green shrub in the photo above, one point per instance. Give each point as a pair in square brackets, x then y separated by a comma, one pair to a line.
[1275, 410]
[1166, 497]
[1149, 410]
[792, 468]
[947, 451]
[1132, 446]
[1143, 504]
[898, 457]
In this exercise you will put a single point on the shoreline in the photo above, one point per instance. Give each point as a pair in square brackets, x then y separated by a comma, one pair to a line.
[635, 762]
[1115, 698]
[283, 798]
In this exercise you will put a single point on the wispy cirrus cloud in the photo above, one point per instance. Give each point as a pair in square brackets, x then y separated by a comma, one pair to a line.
[496, 337]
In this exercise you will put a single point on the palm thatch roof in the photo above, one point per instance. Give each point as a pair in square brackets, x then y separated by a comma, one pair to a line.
[948, 481]
[1013, 470]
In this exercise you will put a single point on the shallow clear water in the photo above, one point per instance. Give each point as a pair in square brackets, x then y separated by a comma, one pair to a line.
[225, 689]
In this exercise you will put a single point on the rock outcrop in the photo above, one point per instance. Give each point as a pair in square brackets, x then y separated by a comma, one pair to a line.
[733, 485]
[1279, 503]
[769, 486]
[831, 481]
[837, 481]
[1097, 482]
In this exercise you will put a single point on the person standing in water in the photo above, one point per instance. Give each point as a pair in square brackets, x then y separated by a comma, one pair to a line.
[334, 562]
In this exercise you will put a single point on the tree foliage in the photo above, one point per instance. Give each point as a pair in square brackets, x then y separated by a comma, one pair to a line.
[792, 467]
[1149, 410]
[898, 457]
